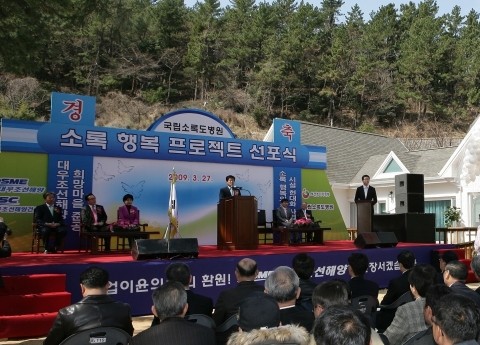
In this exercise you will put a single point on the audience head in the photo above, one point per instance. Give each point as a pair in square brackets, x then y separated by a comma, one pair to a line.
[178, 272]
[455, 271]
[258, 310]
[475, 266]
[282, 284]
[326, 294]
[446, 257]
[49, 197]
[421, 277]
[434, 294]
[406, 259]
[246, 270]
[303, 265]
[456, 319]
[128, 199]
[357, 264]
[94, 278]
[342, 325]
[90, 199]
[169, 300]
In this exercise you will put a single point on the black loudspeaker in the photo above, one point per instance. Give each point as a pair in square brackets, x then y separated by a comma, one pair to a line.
[367, 240]
[410, 203]
[186, 247]
[409, 183]
[408, 227]
[387, 239]
[149, 249]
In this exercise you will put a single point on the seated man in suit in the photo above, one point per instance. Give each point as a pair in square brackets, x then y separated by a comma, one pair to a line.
[197, 304]
[284, 217]
[94, 217]
[304, 265]
[229, 300]
[170, 306]
[283, 285]
[396, 288]
[357, 267]
[49, 219]
[5, 250]
[230, 189]
[96, 309]
[455, 275]
[306, 214]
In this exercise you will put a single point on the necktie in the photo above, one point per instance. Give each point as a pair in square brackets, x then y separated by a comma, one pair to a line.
[95, 217]
[366, 191]
[51, 209]
[231, 190]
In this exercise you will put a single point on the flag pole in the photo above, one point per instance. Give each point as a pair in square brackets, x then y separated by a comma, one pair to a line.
[172, 228]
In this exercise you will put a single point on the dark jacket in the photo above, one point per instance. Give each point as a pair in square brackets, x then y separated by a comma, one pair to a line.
[229, 300]
[225, 192]
[5, 252]
[43, 215]
[91, 312]
[197, 304]
[462, 289]
[176, 330]
[297, 316]
[396, 288]
[361, 287]
[306, 291]
[88, 219]
[371, 194]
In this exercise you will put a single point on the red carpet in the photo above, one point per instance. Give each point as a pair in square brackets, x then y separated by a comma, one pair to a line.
[74, 257]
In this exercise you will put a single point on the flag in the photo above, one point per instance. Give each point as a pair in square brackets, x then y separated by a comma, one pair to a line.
[173, 209]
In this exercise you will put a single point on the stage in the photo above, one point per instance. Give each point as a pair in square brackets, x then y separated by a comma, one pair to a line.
[213, 271]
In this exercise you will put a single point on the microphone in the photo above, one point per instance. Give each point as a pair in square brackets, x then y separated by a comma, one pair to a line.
[237, 187]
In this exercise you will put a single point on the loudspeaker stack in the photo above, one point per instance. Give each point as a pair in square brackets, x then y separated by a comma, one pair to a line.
[409, 193]
[375, 240]
[160, 249]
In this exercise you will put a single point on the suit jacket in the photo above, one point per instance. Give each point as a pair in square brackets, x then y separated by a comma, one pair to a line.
[129, 217]
[297, 316]
[462, 289]
[43, 215]
[306, 291]
[361, 287]
[371, 194]
[299, 214]
[176, 330]
[87, 218]
[396, 288]
[5, 252]
[280, 214]
[229, 300]
[408, 321]
[197, 304]
[225, 192]
[91, 312]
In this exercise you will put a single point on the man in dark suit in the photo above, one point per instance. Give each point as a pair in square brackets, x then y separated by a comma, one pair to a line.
[455, 275]
[170, 306]
[303, 213]
[475, 266]
[229, 300]
[197, 304]
[284, 217]
[49, 219]
[304, 265]
[283, 285]
[396, 288]
[94, 217]
[96, 309]
[366, 192]
[357, 267]
[230, 189]
[5, 250]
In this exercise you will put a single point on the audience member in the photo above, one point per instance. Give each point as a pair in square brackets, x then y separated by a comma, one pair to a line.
[341, 325]
[359, 286]
[283, 285]
[456, 321]
[455, 275]
[326, 294]
[259, 323]
[228, 300]
[96, 309]
[475, 266]
[434, 294]
[197, 304]
[444, 259]
[304, 265]
[49, 219]
[94, 218]
[170, 306]
[409, 318]
[396, 288]
[5, 250]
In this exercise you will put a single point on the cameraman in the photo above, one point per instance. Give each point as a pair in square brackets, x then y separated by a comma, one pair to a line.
[5, 250]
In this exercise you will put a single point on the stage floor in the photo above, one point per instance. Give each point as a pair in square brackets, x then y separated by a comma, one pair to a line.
[213, 271]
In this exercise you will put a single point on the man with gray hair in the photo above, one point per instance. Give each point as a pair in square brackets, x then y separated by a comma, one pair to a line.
[455, 275]
[475, 266]
[170, 306]
[283, 285]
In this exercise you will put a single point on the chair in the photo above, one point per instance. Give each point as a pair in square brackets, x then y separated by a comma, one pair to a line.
[226, 329]
[99, 335]
[262, 225]
[366, 304]
[405, 298]
[122, 244]
[229, 323]
[37, 237]
[201, 319]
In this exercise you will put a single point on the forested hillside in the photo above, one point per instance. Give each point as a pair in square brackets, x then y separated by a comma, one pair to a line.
[406, 71]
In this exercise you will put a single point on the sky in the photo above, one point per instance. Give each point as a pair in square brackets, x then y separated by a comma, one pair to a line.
[367, 6]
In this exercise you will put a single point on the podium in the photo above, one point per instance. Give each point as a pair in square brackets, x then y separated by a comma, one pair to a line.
[237, 223]
[364, 216]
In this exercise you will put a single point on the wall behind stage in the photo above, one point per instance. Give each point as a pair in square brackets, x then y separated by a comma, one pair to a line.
[23, 177]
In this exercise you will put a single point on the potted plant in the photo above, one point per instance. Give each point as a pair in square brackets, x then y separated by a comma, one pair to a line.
[452, 215]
